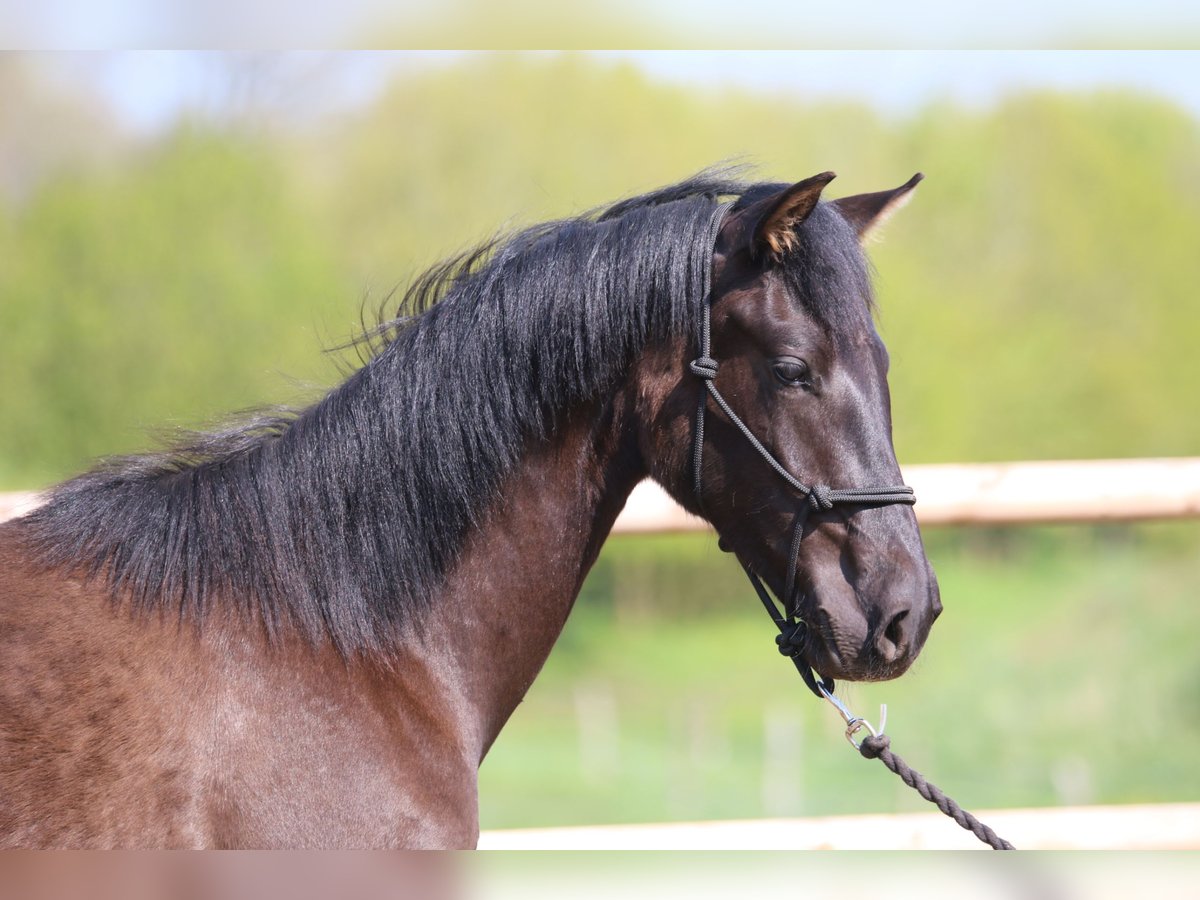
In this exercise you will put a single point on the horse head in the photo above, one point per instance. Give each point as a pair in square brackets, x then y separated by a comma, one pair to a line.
[801, 429]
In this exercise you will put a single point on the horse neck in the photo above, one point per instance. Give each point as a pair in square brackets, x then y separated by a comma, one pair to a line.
[505, 603]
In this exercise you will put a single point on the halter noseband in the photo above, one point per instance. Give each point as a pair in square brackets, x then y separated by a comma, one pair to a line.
[793, 630]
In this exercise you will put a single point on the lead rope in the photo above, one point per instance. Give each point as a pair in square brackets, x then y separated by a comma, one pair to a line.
[877, 745]
[793, 631]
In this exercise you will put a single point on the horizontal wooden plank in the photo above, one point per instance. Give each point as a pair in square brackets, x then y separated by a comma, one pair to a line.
[964, 494]
[16, 504]
[1075, 491]
[1001, 493]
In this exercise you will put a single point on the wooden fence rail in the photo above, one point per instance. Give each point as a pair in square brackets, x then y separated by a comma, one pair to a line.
[1002, 493]
[965, 494]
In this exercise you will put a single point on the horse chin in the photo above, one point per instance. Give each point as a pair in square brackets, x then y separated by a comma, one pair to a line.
[829, 664]
[877, 671]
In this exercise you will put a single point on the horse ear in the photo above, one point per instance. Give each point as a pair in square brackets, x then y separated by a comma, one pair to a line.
[866, 212]
[775, 218]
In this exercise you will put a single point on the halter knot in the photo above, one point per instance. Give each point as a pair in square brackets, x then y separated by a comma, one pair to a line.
[818, 497]
[704, 367]
[791, 641]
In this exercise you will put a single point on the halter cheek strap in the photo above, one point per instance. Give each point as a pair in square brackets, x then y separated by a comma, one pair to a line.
[793, 631]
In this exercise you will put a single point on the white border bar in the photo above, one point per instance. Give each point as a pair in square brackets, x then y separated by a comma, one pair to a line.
[1165, 826]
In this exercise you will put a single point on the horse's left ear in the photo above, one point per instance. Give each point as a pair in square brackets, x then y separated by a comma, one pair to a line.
[866, 212]
[775, 217]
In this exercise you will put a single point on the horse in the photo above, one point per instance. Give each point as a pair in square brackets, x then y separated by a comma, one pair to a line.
[307, 629]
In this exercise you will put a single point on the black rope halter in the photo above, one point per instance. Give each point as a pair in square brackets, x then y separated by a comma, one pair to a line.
[793, 630]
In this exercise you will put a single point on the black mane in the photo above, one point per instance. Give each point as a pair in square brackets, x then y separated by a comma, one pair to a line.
[342, 519]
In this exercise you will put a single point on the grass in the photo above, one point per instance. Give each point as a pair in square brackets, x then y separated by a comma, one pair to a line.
[1064, 670]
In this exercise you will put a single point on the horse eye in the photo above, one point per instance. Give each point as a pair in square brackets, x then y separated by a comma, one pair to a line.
[791, 371]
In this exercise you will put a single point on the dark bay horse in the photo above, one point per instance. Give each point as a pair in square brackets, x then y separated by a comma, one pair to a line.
[308, 630]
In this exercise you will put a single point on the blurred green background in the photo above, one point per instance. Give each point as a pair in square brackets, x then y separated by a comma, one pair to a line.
[1038, 300]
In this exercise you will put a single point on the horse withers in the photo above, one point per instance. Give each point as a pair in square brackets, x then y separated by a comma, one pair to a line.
[307, 630]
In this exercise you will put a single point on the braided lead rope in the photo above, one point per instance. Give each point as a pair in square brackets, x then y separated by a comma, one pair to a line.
[877, 745]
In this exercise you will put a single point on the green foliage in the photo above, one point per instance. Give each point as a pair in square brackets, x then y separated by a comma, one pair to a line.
[1036, 303]
[1036, 295]
[165, 292]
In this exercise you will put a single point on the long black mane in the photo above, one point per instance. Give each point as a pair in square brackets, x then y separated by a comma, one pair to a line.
[342, 519]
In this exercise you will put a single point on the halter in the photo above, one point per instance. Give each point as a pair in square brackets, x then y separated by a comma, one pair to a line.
[793, 630]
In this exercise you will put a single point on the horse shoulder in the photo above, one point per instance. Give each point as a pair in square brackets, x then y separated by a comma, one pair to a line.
[142, 731]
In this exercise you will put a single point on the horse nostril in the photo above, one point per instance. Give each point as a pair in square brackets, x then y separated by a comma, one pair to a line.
[893, 642]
